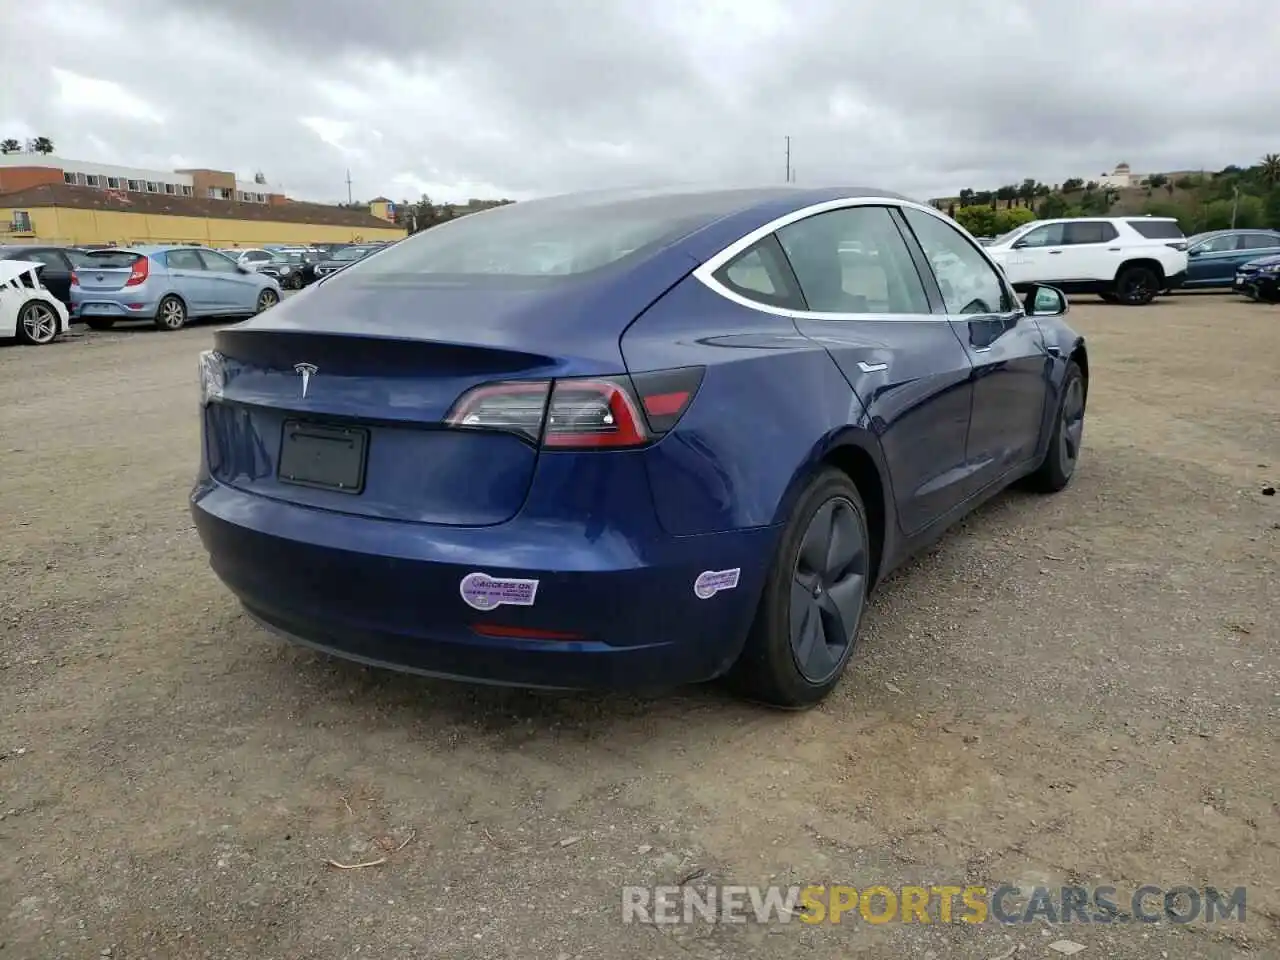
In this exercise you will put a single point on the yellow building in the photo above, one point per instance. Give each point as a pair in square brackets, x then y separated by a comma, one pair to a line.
[44, 200]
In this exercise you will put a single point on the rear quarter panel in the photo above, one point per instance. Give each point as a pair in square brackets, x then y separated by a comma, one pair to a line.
[771, 405]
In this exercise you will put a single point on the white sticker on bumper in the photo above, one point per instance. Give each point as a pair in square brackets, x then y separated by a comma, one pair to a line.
[483, 592]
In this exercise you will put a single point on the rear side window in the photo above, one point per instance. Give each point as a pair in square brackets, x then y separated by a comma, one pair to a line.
[1260, 241]
[1089, 231]
[1158, 229]
[761, 273]
[853, 260]
[111, 259]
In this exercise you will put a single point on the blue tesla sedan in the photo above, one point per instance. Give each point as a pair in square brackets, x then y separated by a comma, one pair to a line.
[627, 439]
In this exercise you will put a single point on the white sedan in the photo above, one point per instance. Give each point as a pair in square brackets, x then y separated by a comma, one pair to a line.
[27, 310]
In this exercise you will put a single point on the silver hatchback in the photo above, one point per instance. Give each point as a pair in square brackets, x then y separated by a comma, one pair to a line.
[166, 285]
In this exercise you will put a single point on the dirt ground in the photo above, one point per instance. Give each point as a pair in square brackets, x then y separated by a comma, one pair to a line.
[1076, 689]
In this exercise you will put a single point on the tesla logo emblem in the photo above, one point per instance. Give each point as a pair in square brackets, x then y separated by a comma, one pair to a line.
[305, 371]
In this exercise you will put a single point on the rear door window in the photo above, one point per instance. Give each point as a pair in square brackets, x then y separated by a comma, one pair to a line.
[1260, 241]
[184, 260]
[216, 262]
[1089, 231]
[854, 260]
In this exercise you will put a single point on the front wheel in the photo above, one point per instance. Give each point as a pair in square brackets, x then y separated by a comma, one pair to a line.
[1059, 464]
[807, 623]
[37, 324]
[267, 299]
[1137, 286]
[171, 314]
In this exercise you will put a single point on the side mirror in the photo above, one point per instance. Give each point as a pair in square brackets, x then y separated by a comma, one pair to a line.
[1044, 301]
[242, 268]
[1194, 252]
[1018, 244]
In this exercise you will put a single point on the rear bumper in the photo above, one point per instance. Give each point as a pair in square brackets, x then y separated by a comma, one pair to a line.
[609, 612]
[91, 308]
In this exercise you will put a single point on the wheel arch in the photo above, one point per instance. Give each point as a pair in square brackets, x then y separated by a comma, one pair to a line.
[856, 453]
[1148, 262]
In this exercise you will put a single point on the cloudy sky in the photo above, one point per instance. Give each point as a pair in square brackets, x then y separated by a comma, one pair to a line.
[518, 98]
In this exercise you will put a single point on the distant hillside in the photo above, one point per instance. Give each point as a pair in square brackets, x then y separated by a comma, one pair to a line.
[1245, 196]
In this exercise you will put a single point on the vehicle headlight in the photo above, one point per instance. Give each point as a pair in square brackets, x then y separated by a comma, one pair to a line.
[285, 271]
[1270, 268]
[213, 376]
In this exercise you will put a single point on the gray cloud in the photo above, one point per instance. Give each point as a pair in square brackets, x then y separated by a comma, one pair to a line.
[477, 97]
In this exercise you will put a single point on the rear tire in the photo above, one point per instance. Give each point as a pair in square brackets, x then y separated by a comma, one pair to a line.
[1137, 286]
[100, 324]
[171, 314]
[1060, 460]
[37, 324]
[811, 608]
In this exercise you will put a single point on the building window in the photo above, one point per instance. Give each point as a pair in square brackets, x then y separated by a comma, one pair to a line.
[69, 178]
[113, 183]
[21, 221]
[135, 184]
[186, 190]
[93, 180]
[262, 198]
[82, 180]
[213, 193]
[170, 189]
[226, 193]
[151, 187]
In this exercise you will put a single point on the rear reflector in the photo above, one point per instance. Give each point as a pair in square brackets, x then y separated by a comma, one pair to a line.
[522, 633]
[581, 413]
[75, 279]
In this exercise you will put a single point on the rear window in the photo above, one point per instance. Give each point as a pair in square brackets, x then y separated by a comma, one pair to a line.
[111, 259]
[1158, 229]
[548, 239]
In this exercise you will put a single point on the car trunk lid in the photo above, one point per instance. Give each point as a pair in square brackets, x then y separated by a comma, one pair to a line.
[372, 373]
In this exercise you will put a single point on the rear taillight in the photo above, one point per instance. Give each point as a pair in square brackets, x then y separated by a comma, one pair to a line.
[75, 279]
[581, 413]
[138, 272]
[1177, 246]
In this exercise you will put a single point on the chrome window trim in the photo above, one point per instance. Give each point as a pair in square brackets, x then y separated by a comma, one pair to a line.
[706, 272]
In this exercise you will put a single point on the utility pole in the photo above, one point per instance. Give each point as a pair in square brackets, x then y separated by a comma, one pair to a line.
[1235, 205]
[349, 188]
[788, 160]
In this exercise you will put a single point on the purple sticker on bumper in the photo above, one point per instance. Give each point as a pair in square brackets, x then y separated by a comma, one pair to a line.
[483, 592]
[712, 582]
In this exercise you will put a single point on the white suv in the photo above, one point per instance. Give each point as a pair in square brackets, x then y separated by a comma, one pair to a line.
[1122, 259]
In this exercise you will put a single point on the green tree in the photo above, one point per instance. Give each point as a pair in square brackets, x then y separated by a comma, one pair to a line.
[1052, 207]
[1157, 180]
[42, 145]
[1071, 185]
[1027, 191]
[10, 145]
[1008, 194]
[1269, 170]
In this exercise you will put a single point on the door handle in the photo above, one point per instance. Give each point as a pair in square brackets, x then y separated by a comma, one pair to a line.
[1054, 253]
[1113, 249]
